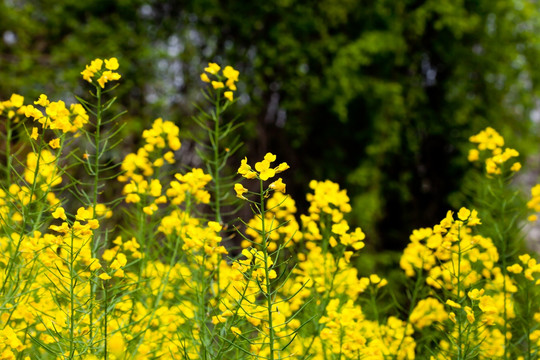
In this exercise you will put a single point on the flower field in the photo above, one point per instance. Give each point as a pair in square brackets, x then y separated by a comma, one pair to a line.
[160, 272]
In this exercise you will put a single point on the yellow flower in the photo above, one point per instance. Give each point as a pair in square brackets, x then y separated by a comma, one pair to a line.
[270, 157]
[16, 100]
[112, 63]
[278, 185]
[230, 73]
[117, 346]
[470, 314]
[95, 265]
[474, 155]
[212, 68]
[240, 191]
[108, 76]
[282, 167]
[34, 133]
[516, 269]
[464, 214]
[59, 213]
[230, 84]
[104, 276]
[236, 331]
[42, 100]
[475, 294]
[205, 78]
[453, 304]
[217, 84]
[228, 95]
[244, 167]
[265, 172]
[54, 143]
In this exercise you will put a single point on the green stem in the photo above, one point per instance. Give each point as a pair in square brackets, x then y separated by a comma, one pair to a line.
[267, 272]
[460, 354]
[8, 151]
[93, 244]
[215, 175]
[71, 300]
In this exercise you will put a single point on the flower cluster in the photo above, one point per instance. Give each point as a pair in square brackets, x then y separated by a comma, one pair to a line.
[160, 143]
[490, 140]
[56, 116]
[534, 202]
[229, 76]
[190, 184]
[161, 281]
[263, 171]
[103, 74]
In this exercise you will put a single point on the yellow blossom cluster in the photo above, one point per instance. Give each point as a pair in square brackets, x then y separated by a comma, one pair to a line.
[191, 184]
[351, 335]
[229, 76]
[455, 262]
[490, 140]
[56, 117]
[103, 74]
[534, 202]
[38, 181]
[160, 143]
[165, 286]
[263, 171]
[528, 267]
[327, 206]
[280, 223]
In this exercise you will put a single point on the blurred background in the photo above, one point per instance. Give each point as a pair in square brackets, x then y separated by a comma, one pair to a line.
[379, 96]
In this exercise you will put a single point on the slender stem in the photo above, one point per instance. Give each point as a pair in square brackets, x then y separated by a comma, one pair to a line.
[267, 272]
[93, 244]
[8, 150]
[105, 330]
[215, 175]
[71, 299]
[460, 355]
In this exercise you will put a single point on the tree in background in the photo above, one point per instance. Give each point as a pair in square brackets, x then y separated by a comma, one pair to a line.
[372, 94]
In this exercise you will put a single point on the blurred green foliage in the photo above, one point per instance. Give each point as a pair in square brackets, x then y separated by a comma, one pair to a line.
[379, 96]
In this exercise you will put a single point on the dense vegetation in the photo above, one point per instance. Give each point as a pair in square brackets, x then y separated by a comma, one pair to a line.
[377, 96]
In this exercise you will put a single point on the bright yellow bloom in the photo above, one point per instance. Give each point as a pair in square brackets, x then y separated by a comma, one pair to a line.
[104, 277]
[230, 73]
[205, 78]
[453, 304]
[516, 167]
[278, 185]
[236, 331]
[515, 269]
[42, 101]
[34, 134]
[464, 214]
[108, 76]
[112, 63]
[474, 155]
[212, 68]
[282, 167]
[16, 100]
[240, 191]
[59, 213]
[54, 143]
[228, 95]
[475, 294]
[265, 172]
